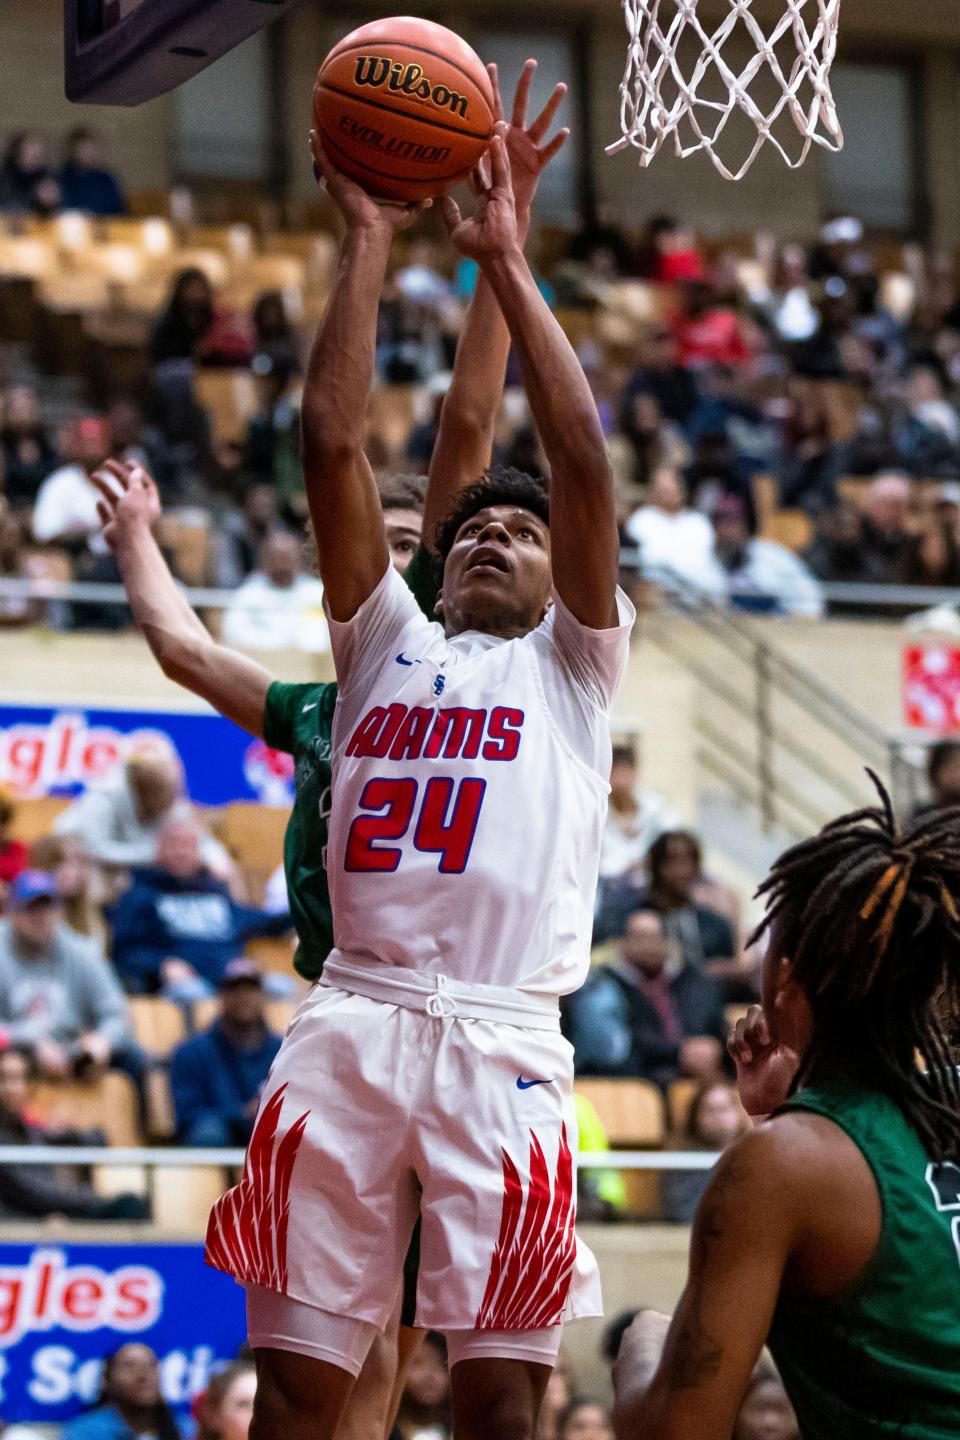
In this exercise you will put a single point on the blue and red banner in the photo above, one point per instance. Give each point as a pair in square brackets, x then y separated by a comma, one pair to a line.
[64, 1308]
[45, 751]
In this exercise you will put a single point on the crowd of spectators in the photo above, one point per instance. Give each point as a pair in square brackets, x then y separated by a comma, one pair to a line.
[736, 384]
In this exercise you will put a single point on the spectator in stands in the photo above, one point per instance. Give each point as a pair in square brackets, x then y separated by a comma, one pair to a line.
[839, 553]
[602, 233]
[85, 182]
[58, 996]
[177, 928]
[274, 336]
[705, 937]
[706, 332]
[120, 818]
[425, 1405]
[27, 453]
[655, 443]
[279, 607]
[943, 776]
[16, 564]
[422, 439]
[585, 1419]
[811, 464]
[766, 1412]
[27, 183]
[130, 1403]
[785, 303]
[660, 373]
[675, 542]
[216, 1077]
[887, 524]
[13, 852]
[187, 320]
[927, 440]
[932, 557]
[648, 1016]
[226, 1409]
[635, 818]
[668, 253]
[714, 1119]
[65, 512]
[79, 882]
[755, 574]
[272, 445]
[41, 1191]
[241, 533]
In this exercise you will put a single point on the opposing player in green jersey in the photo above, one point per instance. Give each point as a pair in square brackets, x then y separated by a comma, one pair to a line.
[832, 1231]
[297, 719]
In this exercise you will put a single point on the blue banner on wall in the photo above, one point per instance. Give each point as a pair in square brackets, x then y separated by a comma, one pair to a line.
[46, 751]
[64, 1308]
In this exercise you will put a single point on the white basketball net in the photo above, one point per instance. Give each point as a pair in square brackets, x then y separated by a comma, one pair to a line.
[662, 94]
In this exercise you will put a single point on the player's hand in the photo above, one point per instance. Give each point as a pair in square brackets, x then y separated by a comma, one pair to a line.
[360, 210]
[529, 156]
[765, 1067]
[492, 230]
[130, 498]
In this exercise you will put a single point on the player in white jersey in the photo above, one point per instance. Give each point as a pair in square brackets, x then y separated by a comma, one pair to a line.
[471, 762]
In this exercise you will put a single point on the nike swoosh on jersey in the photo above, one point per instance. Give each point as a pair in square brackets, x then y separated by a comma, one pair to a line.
[402, 660]
[313, 706]
[529, 1084]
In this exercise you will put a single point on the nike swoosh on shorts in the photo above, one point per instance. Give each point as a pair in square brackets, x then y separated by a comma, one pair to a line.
[529, 1084]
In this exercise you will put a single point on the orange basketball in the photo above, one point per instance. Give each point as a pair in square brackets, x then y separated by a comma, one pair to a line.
[404, 107]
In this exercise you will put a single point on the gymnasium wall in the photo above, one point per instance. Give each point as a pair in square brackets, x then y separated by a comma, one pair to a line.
[926, 35]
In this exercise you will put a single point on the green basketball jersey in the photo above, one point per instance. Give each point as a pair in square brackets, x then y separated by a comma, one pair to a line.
[298, 719]
[883, 1361]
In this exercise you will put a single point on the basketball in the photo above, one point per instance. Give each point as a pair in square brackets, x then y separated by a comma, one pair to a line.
[404, 107]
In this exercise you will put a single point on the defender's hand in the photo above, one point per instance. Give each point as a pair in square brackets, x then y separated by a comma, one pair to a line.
[492, 231]
[360, 210]
[765, 1068]
[130, 498]
[528, 155]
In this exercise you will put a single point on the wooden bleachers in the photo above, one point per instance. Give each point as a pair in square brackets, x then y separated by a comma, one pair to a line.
[158, 1024]
[108, 1104]
[36, 816]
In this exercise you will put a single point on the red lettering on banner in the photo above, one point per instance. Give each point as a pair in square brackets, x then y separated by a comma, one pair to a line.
[83, 1299]
[134, 1297]
[10, 1293]
[43, 1288]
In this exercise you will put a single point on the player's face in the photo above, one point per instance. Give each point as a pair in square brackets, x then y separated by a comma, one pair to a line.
[497, 577]
[403, 528]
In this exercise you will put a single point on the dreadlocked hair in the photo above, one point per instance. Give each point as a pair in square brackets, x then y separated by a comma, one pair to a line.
[869, 918]
[501, 485]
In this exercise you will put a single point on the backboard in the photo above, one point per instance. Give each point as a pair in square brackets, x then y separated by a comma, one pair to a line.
[122, 52]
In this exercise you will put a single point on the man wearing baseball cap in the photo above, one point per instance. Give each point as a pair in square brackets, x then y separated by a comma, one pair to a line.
[59, 998]
[216, 1077]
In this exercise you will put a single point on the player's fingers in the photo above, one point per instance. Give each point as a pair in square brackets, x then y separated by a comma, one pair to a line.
[450, 211]
[105, 513]
[522, 97]
[544, 120]
[555, 146]
[494, 73]
[119, 469]
[104, 483]
[481, 175]
[737, 1046]
[499, 160]
[329, 174]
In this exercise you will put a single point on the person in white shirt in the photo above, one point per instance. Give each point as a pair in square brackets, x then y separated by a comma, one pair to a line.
[675, 542]
[471, 762]
[636, 816]
[65, 511]
[120, 819]
[758, 575]
[279, 607]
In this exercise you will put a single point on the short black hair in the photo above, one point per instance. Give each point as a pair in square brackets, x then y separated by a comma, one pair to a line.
[624, 753]
[940, 756]
[613, 1333]
[403, 492]
[500, 485]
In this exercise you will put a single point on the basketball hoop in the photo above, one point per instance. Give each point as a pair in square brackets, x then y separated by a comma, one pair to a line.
[678, 81]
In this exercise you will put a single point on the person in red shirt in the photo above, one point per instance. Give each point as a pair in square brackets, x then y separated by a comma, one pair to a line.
[706, 333]
[13, 854]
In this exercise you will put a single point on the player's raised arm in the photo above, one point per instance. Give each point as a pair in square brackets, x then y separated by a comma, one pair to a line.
[584, 542]
[186, 652]
[341, 492]
[465, 440]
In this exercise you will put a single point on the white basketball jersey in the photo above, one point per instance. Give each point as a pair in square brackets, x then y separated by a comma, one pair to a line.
[471, 777]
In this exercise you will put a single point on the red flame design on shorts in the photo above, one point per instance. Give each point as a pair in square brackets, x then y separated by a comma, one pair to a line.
[247, 1233]
[533, 1263]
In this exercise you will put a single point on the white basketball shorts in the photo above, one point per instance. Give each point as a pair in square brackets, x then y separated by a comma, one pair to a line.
[449, 1100]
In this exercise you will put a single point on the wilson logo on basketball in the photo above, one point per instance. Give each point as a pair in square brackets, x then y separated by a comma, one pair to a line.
[377, 72]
